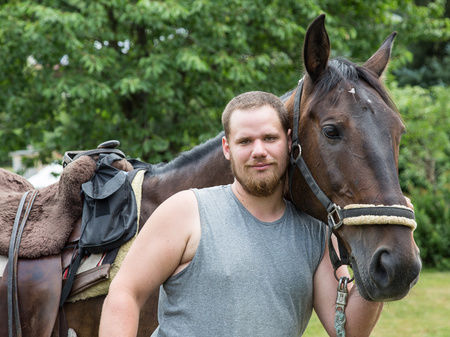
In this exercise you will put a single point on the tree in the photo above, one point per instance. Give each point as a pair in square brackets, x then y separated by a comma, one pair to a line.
[157, 74]
[424, 167]
[429, 52]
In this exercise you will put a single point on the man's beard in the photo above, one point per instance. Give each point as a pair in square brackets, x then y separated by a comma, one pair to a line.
[260, 187]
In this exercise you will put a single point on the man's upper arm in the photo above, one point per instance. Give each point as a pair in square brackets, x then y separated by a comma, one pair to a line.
[160, 246]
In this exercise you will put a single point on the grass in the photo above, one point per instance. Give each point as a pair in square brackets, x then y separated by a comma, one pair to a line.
[425, 312]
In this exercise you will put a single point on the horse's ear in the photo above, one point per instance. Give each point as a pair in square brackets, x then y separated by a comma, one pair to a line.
[316, 49]
[378, 61]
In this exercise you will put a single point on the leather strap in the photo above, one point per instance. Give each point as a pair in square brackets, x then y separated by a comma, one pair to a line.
[74, 155]
[13, 253]
[378, 211]
[297, 101]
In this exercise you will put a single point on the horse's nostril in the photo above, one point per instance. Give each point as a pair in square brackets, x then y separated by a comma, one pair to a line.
[381, 268]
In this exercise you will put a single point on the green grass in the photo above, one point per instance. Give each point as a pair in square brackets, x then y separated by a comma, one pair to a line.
[425, 312]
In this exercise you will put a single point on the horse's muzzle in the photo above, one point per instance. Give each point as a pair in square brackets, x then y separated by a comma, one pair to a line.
[389, 276]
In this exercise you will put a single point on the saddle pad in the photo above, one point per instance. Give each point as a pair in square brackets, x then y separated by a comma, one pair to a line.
[89, 263]
[3, 262]
[102, 287]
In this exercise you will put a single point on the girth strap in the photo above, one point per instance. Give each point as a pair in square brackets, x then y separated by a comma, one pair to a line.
[13, 253]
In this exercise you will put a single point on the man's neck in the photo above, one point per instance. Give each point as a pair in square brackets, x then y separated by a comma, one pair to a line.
[268, 209]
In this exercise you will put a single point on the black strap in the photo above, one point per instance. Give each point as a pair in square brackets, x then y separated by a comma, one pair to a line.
[295, 143]
[338, 260]
[378, 211]
[74, 265]
[324, 200]
[297, 161]
[297, 102]
[13, 254]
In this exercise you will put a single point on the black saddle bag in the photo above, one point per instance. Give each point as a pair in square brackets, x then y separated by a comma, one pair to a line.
[109, 214]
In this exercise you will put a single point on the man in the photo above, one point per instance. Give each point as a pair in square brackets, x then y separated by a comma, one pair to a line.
[236, 260]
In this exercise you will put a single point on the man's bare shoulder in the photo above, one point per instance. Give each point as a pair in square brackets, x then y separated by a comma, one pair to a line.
[181, 205]
[175, 215]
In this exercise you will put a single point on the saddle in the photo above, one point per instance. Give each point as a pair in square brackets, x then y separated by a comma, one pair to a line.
[38, 237]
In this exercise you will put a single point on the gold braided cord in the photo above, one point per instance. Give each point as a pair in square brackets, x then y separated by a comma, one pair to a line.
[380, 220]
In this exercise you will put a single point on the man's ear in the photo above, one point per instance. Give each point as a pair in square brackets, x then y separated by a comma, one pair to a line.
[225, 148]
[289, 139]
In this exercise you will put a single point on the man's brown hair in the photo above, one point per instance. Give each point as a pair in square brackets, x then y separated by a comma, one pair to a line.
[252, 100]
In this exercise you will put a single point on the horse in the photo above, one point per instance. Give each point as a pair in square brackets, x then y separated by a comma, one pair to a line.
[349, 131]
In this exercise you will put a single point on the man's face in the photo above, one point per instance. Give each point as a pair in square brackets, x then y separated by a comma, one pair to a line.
[258, 149]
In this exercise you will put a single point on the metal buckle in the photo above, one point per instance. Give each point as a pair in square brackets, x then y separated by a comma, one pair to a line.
[298, 146]
[334, 216]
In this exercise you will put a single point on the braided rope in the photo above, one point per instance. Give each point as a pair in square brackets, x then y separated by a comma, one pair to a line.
[378, 219]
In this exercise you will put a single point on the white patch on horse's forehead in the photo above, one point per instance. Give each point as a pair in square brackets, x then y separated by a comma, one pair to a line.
[352, 91]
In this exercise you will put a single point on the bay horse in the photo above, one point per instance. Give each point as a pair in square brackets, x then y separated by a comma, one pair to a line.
[349, 130]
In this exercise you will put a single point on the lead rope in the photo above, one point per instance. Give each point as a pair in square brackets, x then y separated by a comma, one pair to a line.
[341, 302]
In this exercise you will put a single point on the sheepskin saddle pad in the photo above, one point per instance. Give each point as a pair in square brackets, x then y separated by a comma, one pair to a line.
[55, 210]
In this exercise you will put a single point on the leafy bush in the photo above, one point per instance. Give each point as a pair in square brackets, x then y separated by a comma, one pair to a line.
[424, 167]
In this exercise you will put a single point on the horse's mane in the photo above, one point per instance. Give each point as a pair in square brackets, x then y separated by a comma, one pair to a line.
[191, 156]
[286, 95]
[340, 69]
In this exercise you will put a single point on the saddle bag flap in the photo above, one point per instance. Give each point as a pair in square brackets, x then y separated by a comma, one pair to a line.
[109, 210]
[104, 183]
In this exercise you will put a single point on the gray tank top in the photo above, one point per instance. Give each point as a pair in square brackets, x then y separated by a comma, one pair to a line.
[247, 278]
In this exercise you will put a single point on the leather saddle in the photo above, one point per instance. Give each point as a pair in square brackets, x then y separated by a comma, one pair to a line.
[30, 289]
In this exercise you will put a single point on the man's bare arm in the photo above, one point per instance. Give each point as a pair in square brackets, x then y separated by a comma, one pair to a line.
[164, 244]
[361, 315]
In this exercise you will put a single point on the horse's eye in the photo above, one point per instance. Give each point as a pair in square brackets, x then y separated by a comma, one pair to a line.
[331, 131]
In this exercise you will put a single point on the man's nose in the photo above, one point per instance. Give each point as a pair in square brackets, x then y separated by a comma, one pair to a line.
[259, 150]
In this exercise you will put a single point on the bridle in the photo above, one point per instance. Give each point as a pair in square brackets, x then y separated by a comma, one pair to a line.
[336, 216]
[355, 214]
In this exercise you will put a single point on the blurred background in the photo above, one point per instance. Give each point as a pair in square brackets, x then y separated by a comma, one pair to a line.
[156, 75]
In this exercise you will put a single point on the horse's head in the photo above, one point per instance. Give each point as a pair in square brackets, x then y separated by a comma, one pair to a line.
[350, 131]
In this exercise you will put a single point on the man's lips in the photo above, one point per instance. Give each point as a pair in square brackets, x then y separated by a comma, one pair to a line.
[260, 166]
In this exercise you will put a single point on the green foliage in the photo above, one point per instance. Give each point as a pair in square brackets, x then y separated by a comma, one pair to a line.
[430, 51]
[157, 74]
[424, 167]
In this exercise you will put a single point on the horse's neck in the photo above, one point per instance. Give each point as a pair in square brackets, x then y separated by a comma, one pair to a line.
[209, 169]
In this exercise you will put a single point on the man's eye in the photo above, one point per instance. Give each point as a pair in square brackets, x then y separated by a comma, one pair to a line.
[244, 141]
[270, 138]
